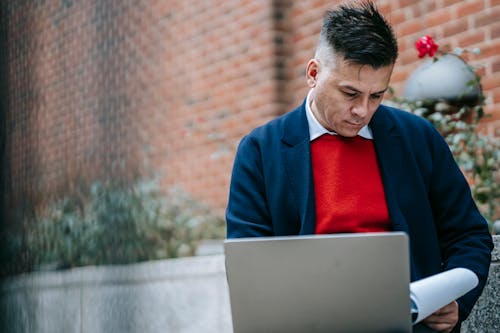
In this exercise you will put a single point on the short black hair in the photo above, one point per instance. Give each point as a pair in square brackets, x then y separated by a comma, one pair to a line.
[359, 33]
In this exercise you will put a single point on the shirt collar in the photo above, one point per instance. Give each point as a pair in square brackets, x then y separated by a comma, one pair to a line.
[316, 129]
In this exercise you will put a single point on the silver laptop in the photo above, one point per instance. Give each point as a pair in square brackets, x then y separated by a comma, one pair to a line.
[321, 283]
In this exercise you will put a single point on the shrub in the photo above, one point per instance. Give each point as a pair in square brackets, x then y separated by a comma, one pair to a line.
[112, 224]
[477, 154]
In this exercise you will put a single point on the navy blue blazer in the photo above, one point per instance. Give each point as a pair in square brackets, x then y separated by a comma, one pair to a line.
[272, 192]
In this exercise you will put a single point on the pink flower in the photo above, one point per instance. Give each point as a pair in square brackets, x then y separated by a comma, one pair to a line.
[426, 45]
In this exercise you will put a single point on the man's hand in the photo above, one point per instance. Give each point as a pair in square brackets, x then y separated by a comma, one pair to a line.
[444, 319]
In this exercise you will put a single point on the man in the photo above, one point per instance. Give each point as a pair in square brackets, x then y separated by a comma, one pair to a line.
[342, 162]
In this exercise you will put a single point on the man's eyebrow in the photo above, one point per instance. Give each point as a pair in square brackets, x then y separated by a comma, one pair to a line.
[356, 90]
[346, 86]
[380, 92]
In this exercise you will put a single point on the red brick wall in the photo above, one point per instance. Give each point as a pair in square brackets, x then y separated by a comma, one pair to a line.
[215, 79]
[67, 113]
[116, 88]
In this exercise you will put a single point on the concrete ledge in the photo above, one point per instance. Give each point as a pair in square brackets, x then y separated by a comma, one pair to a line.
[177, 295]
[485, 317]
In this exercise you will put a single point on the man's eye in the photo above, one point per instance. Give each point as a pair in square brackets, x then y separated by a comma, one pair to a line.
[350, 94]
[376, 96]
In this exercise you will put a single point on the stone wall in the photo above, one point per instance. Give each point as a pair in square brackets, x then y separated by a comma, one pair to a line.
[178, 295]
[485, 317]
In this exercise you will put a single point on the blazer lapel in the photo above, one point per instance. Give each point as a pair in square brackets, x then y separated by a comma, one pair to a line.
[389, 149]
[296, 153]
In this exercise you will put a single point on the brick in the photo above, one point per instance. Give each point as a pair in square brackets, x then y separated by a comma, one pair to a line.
[495, 66]
[471, 38]
[487, 17]
[447, 3]
[437, 18]
[495, 31]
[490, 49]
[396, 18]
[469, 8]
[490, 82]
[455, 27]
[409, 28]
[405, 3]
[496, 96]
[385, 7]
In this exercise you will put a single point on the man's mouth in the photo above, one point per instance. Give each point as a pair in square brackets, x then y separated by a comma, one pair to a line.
[354, 123]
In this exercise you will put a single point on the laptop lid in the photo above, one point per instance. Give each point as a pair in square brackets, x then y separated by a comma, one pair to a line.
[319, 283]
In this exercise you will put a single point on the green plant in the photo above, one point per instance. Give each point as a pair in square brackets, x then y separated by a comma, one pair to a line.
[113, 224]
[477, 154]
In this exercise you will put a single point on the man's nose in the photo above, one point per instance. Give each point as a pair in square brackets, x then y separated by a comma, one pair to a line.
[360, 110]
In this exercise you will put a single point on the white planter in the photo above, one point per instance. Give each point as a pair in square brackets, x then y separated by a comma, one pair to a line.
[449, 78]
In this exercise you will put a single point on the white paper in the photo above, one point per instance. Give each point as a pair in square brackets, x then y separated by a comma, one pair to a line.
[434, 292]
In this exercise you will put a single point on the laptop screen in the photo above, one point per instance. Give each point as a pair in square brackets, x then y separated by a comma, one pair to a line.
[321, 283]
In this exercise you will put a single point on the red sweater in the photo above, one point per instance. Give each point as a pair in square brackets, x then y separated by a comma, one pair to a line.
[347, 185]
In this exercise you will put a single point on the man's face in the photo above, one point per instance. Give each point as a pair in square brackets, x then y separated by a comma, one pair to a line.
[345, 96]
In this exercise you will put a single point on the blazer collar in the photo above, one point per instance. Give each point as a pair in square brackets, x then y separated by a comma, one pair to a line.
[390, 151]
[296, 128]
[296, 154]
[382, 121]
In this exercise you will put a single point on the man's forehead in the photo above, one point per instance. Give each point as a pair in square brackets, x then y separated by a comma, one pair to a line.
[362, 77]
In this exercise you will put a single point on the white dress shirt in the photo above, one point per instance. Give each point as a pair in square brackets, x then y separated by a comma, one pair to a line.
[316, 129]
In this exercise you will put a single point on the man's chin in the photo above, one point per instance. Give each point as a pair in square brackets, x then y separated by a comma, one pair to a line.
[348, 133]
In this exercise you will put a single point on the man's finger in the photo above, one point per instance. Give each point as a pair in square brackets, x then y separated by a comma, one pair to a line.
[440, 327]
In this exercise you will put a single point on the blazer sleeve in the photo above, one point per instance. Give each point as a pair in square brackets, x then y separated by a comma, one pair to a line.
[463, 233]
[247, 213]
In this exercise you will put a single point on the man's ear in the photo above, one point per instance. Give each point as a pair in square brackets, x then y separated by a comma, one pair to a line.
[312, 71]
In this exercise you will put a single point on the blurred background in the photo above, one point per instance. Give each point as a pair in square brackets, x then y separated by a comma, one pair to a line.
[119, 125]
[120, 119]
